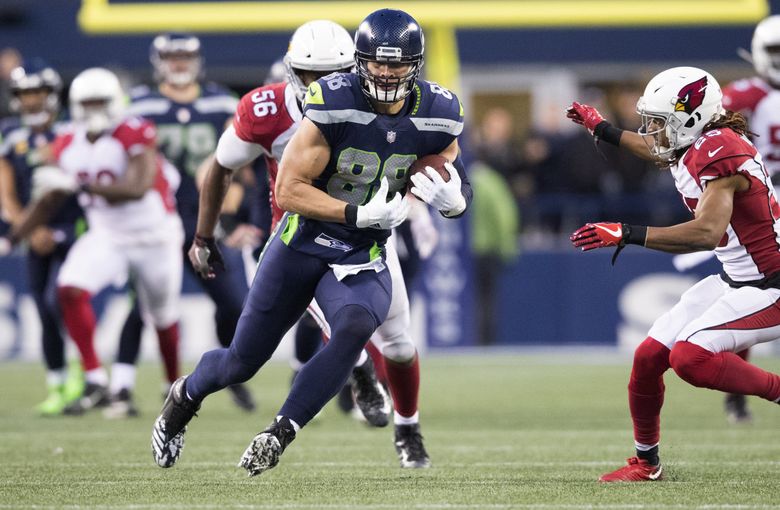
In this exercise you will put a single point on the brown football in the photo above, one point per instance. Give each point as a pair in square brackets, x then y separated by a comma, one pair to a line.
[434, 161]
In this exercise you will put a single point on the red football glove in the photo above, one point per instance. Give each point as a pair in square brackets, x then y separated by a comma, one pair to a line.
[584, 115]
[597, 235]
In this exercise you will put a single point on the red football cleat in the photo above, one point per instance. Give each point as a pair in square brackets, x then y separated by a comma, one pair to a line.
[637, 470]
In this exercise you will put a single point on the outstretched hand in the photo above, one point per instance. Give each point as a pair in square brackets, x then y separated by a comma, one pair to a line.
[584, 115]
[597, 235]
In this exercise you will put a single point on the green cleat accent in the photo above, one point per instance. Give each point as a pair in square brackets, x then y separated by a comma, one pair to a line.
[74, 384]
[54, 403]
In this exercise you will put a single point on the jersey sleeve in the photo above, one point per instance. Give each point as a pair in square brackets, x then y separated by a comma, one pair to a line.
[743, 95]
[330, 103]
[58, 145]
[443, 119]
[136, 134]
[261, 116]
[719, 153]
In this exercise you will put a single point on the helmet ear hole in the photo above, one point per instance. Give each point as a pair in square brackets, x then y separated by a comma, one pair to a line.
[691, 122]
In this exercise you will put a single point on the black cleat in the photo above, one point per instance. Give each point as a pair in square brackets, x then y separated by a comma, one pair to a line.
[345, 400]
[265, 449]
[170, 426]
[409, 445]
[736, 409]
[242, 397]
[94, 396]
[121, 406]
[370, 395]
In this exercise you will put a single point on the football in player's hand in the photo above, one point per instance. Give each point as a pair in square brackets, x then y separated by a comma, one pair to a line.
[434, 161]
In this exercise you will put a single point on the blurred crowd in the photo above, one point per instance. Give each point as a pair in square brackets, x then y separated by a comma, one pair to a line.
[560, 179]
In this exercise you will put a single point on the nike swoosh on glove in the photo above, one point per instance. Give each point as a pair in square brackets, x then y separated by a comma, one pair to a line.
[597, 235]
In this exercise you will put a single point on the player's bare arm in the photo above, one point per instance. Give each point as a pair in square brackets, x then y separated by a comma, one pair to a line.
[10, 208]
[706, 230]
[303, 161]
[590, 118]
[212, 193]
[141, 172]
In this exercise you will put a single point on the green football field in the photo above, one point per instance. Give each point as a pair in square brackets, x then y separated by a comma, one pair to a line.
[504, 431]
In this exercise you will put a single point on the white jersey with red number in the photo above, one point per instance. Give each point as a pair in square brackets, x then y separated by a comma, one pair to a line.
[750, 248]
[760, 103]
[269, 116]
[104, 162]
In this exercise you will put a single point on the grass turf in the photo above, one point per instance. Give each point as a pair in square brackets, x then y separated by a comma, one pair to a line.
[503, 432]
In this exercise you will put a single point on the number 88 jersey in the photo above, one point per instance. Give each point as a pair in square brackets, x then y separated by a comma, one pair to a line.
[366, 146]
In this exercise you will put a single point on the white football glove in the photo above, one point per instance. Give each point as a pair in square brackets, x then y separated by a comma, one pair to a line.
[49, 178]
[379, 213]
[443, 196]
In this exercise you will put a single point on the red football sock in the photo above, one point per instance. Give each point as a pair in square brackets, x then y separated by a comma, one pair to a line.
[79, 319]
[724, 371]
[404, 382]
[646, 390]
[379, 363]
[169, 349]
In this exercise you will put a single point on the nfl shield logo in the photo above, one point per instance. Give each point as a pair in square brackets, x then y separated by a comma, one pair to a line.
[390, 136]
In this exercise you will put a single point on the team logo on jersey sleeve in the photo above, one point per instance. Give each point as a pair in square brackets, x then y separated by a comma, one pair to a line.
[314, 95]
[691, 96]
[390, 136]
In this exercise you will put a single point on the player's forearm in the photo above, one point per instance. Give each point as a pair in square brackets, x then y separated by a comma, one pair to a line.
[212, 194]
[304, 199]
[635, 144]
[686, 237]
[119, 192]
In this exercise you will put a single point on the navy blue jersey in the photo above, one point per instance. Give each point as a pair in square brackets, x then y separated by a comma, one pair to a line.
[26, 150]
[366, 146]
[186, 134]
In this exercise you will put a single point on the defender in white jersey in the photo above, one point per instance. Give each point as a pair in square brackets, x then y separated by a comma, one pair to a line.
[758, 99]
[113, 165]
[724, 183]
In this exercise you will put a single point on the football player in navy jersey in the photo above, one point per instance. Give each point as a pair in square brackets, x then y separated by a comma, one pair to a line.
[189, 114]
[341, 179]
[26, 142]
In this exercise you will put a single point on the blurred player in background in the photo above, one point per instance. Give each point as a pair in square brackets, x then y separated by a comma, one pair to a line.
[112, 162]
[26, 139]
[724, 183]
[350, 154]
[758, 99]
[190, 115]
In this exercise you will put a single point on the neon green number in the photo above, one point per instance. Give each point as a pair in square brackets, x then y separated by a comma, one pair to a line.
[187, 145]
[360, 172]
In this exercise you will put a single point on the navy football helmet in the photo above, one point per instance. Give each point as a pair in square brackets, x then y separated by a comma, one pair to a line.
[183, 47]
[35, 74]
[392, 37]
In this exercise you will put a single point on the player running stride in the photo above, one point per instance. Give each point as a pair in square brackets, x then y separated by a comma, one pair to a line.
[359, 135]
[724, 183]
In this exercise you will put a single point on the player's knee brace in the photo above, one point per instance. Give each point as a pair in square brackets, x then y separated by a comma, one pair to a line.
[692, 363]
